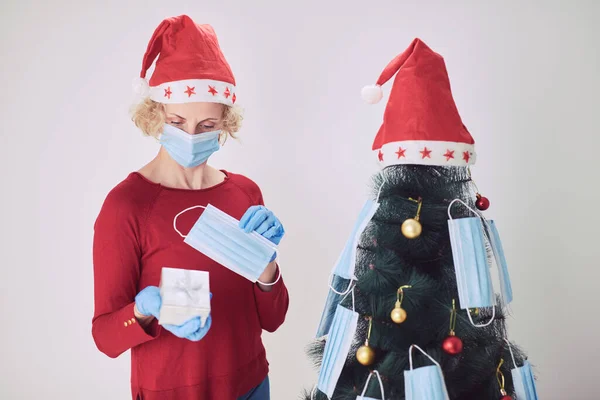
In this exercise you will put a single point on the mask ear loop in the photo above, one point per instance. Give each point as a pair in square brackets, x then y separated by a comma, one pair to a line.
[464, 204]
[344, 298]
[481, 217]
[487, 323]
[375, 372]
[410, 361]
[345, 292]
[177, 216]
[276, 280]
[385, 180]
[511, 352]
[312, 393]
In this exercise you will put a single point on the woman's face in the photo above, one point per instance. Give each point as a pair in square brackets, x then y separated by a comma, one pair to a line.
[195, 118]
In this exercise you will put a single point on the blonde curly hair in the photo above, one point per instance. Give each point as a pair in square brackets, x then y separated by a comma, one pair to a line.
[150, 117]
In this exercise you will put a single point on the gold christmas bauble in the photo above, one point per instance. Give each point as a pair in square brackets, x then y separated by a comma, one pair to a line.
[411, 228]
[398, 315]
[365, 355]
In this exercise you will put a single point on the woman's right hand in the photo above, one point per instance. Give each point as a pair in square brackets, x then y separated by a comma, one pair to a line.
[148, 302]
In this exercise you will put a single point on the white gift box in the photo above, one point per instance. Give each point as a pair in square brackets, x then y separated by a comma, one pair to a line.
[185, 294]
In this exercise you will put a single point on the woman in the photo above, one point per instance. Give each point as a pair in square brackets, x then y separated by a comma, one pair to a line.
[191, 110]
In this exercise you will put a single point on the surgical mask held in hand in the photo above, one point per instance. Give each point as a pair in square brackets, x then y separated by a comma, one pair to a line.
[189, 150]
[362, 396]
[185, 294]
[218, 236]
[476, 247]
[425, 383]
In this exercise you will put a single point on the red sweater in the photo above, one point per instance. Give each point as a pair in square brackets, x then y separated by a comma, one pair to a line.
[133, 240]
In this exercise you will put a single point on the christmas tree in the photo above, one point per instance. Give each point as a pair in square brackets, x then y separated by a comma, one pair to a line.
[412, 301]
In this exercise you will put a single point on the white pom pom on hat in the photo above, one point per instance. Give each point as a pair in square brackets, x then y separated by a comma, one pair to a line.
[141, 87]
[372, 94]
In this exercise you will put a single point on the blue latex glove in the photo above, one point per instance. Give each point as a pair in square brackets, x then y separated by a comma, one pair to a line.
[263, 221]
[148, 301]
[190, 330]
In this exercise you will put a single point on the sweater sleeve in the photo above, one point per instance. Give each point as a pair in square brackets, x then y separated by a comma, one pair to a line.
[273, 305]
[116, 257]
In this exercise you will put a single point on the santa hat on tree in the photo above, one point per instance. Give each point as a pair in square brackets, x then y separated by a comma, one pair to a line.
[421, 124]
[190, 65]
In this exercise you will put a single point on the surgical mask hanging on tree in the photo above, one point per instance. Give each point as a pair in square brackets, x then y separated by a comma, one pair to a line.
[189, 150]
[425, 383]
[475, 247]
[523, 379]
[345, 265]
[339, 342]
[218, 236]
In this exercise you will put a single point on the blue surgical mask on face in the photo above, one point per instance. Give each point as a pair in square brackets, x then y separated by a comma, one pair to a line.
[345, 266]
[337, 348]
[218, 236]
[475, 247]
[425, 383]
[189, 150]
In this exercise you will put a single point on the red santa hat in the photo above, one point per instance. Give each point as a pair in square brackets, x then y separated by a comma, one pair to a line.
[190, 65]
[421, 124]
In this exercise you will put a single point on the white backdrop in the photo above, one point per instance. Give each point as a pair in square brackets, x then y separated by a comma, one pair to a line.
[525, 78]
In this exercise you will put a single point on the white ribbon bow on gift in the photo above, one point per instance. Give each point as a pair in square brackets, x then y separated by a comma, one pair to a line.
[186, 286]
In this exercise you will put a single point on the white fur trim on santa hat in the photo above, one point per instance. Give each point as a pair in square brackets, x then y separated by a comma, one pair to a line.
[424, 152]
[193, 91]
[141, 87]
[372, 94]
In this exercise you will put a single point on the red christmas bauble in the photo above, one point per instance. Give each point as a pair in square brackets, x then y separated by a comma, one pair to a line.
[452, 345]
[482, 203]
[506, 398]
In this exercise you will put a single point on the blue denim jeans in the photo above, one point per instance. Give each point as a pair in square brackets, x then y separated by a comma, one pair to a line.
[261, 392]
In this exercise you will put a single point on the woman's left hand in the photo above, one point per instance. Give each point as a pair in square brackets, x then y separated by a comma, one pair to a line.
[263, 221]
[191, 329]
